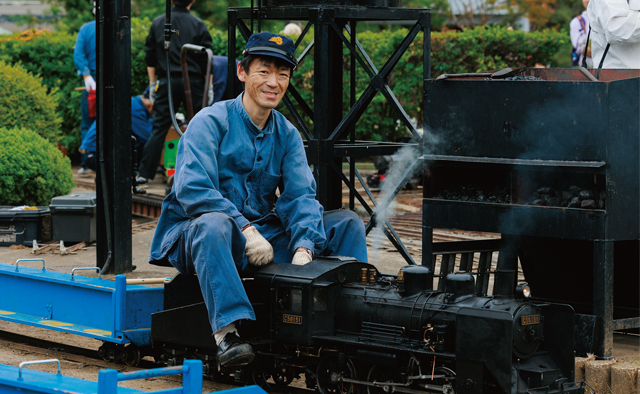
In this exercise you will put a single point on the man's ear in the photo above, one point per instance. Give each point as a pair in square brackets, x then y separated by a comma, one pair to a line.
[241, 73]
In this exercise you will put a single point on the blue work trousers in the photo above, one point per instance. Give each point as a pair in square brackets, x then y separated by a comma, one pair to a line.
[213, 248]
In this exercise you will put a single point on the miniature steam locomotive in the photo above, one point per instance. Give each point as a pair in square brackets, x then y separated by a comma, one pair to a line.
[346, 327]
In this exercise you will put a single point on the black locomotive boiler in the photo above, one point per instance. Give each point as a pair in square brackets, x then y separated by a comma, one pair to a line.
[346, 328]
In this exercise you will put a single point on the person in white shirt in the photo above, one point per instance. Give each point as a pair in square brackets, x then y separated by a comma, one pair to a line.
[579, 30]
[615, 23]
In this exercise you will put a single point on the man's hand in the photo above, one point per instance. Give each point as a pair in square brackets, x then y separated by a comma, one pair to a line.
[258, 250]
[89, 83]
[302, 256]
[210, 95]
[152, 91]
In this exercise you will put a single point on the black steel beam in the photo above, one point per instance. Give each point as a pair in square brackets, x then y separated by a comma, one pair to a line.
[603, 294]
[113, 63]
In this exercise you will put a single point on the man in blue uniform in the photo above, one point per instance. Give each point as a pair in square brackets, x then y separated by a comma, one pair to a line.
[84, 57]
[223, 214]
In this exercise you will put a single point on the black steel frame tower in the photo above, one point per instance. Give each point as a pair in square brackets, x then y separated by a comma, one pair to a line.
[332, 137]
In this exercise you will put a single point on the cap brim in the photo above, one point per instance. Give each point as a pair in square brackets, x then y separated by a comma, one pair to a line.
[274, 54]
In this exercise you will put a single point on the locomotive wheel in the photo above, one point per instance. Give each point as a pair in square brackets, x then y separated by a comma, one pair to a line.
[107, 351]
[220, 377]
[130, 355]
[330, 374]
[381, 374]
[272, 380]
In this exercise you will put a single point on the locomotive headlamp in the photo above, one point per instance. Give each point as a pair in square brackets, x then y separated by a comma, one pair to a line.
[523, 290]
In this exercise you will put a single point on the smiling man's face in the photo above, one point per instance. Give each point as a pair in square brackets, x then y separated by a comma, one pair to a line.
[264, 85]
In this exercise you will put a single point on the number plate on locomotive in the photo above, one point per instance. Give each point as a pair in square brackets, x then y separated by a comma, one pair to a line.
[529, 320]
[292, 319]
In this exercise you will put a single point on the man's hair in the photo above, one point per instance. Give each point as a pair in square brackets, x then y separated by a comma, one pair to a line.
[182, 3]
[247, 61]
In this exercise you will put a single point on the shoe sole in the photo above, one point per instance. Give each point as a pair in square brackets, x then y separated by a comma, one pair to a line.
[244, 357]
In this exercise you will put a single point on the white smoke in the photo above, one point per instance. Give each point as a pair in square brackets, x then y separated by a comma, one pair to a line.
[407, 163]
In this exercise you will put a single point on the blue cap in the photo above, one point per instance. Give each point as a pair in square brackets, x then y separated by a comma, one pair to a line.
[269, 44]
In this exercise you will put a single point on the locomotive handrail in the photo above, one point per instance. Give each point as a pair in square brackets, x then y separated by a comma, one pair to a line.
[522, 162]
[73, 271]
[25, 363]
[191, 372]
[19, 260]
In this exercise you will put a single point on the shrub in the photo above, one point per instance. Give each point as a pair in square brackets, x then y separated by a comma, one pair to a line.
[32, 170]
[50, 56]
[24, 101]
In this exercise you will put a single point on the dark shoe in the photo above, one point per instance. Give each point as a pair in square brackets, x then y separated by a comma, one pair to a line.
[234, 352]
[140, 180]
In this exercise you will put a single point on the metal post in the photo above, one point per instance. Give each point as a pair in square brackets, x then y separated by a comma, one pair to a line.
[232, 18]
[603, 294]
[113, 63]
[327, 108]
[108, 381]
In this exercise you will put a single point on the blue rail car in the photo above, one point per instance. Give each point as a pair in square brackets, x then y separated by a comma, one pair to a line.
[22, 380]
[114, 312]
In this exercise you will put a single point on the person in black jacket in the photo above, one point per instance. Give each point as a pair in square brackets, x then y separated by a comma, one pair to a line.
[191, 31]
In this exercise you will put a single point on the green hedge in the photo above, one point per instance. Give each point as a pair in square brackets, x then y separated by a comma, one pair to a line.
[32, 170]
[50, 56]
[472, 50]
[24, 101]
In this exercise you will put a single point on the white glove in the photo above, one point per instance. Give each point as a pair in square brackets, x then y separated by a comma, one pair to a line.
[302, 256]
[210, 95]
[258, 250]
[89, 83]
[152, 91]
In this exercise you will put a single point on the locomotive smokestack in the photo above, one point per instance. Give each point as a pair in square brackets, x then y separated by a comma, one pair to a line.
[504, 283]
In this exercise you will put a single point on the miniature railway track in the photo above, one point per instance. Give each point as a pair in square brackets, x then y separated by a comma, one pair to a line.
[47, 349]
[407, 225]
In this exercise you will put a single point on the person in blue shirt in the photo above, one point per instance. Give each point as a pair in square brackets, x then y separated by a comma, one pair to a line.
[219, 74]
[141, 124]
[223, 215]
[84, 57]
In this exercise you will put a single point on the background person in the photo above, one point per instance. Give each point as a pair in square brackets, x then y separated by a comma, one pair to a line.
[192, 31]
[84, 57]
[223, 215]
[579, 30]
[141, 124]
[615, 23]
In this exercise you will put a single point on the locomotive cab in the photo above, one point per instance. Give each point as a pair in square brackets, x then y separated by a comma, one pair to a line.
[302, 298]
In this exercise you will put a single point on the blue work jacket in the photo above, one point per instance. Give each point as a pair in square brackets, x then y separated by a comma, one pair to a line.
[226, 164]
[84, 53]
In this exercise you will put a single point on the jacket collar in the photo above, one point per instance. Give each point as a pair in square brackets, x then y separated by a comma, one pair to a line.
[268, 128]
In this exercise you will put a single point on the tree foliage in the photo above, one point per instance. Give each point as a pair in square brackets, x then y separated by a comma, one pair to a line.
[470, 50]
[32, 170]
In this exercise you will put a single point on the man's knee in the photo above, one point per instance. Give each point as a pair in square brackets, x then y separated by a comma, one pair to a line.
[347, 220]
[214, 224]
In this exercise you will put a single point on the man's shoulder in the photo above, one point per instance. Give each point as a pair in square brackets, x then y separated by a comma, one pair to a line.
[159, 19]
[216, 115]
[88, 25]
[284, 125]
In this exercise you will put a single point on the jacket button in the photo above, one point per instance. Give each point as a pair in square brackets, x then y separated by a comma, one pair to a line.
[259, 158]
